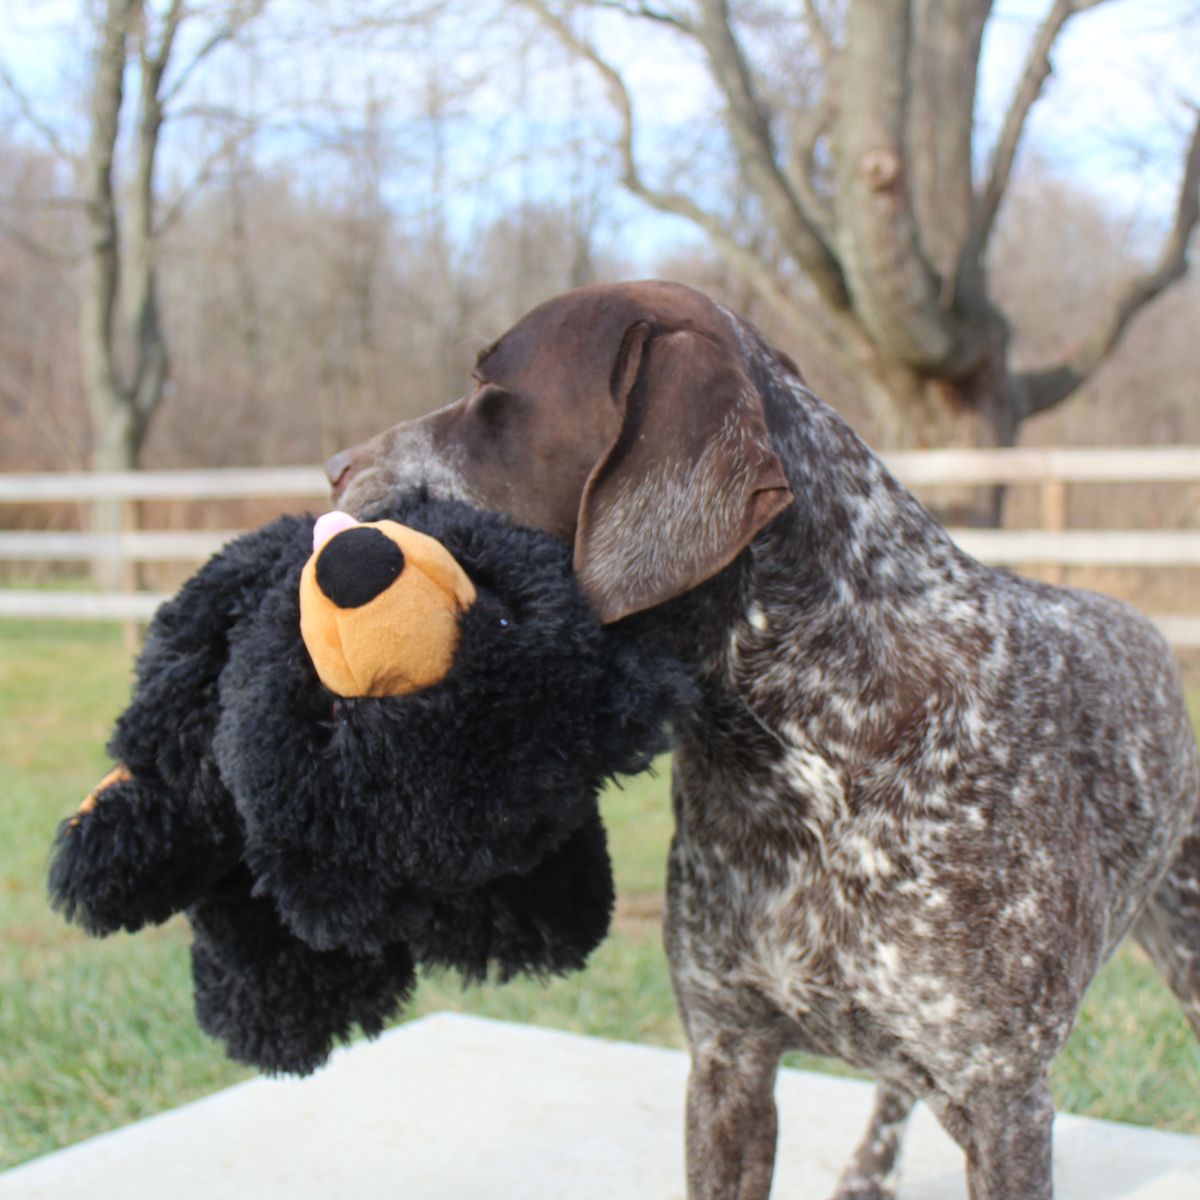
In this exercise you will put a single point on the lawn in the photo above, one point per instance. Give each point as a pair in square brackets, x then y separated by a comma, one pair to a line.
[98, 1033]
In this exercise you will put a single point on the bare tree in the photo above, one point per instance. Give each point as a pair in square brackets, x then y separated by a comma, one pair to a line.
[123, 395]
[122, 343]
[860, 164]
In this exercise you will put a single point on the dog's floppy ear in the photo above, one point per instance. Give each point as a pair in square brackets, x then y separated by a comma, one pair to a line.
[690, 478]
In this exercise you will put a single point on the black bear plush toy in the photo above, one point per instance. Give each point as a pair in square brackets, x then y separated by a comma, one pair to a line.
[355, 748]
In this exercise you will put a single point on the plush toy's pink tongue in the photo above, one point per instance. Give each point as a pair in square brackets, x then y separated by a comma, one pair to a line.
[330, 524]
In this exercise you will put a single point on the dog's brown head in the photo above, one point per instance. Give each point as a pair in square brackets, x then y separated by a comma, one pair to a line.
[616, 417]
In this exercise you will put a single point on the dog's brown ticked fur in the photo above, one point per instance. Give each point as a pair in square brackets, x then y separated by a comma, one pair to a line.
[919, 801]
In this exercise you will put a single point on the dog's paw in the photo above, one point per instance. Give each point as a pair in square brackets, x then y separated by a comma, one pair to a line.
[856, 1184]
[865, 1190]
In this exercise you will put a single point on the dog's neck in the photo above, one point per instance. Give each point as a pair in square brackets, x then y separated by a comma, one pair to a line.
[853, 530]
[821, 630]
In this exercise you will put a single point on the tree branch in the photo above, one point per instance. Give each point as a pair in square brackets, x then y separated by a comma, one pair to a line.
[642, 9]
[141, 291]
[805, 242]
[943, 70]
[157, 62]
[41, 203]
[227, 32]
[212, 112]
[799, 230]
[103, 382]
[819, 34]
[1029, 88]
[32, 246]
[26, 109]
[619, 95]
[1046, 388]
[200, 177]
[807, 131]
[749, 265]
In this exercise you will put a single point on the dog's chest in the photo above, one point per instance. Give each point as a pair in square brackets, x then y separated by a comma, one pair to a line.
[790, 896]
[819, 861]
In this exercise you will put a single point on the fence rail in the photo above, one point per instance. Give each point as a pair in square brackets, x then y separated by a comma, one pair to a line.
[230, 483]
[1051, 469]
[138, 545]
[1044, 464]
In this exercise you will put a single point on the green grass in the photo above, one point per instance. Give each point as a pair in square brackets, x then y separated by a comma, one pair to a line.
[98, 1033]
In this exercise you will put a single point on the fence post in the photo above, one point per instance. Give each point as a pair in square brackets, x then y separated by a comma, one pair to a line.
[128, 573]
[1053, 494]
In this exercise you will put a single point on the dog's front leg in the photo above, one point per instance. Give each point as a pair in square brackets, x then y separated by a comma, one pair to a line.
[731, 1121]
[1006, 1130]
[1008, 1141]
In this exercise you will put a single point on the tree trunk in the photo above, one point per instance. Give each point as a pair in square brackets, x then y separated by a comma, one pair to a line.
[115, 448]
[914, 411]
[122, 403]
[877, 193]
[115, 431]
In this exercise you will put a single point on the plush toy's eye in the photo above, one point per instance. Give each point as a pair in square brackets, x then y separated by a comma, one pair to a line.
[497, 613]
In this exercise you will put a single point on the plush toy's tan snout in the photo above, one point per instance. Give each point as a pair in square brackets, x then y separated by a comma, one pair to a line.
[379, 607]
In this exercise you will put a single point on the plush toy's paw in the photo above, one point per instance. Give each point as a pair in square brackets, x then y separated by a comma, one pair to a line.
[130, 857]
[276, 1003]
[379, 607]
[546, 921]
[156, 833]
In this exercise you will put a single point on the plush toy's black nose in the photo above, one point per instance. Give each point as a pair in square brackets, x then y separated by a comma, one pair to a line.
[358, 565]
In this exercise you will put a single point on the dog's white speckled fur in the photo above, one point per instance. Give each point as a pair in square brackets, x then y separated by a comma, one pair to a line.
[918, 804]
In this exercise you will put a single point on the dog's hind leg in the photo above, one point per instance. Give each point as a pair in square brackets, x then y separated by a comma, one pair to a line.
[1169, 926]
[871, 1174]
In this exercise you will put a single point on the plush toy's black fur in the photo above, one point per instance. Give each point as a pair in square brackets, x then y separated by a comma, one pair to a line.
[322, 846]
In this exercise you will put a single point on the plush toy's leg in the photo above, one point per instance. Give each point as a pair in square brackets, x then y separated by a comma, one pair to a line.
[276, 1003]
[134, 854]
[546, 921]
[161, 828]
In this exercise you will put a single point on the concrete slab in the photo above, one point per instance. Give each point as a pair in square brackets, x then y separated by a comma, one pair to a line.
[458, 1108]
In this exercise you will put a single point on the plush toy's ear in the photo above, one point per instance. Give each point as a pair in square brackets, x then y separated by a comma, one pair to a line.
[691, 477]
[379, 607]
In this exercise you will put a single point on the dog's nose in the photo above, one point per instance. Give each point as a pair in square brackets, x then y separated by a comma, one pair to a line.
[357, 565]
[339, 468]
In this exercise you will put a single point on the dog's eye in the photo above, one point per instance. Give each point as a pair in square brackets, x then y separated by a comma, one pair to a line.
[489, 403]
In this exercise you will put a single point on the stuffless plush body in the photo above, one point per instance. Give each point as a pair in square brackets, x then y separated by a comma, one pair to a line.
[920, 800]
[323, 845]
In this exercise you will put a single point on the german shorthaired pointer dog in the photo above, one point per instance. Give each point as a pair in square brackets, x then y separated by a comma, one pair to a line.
[919, 801]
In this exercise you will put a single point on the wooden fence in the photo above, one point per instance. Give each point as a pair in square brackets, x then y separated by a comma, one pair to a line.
[1049, 545]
